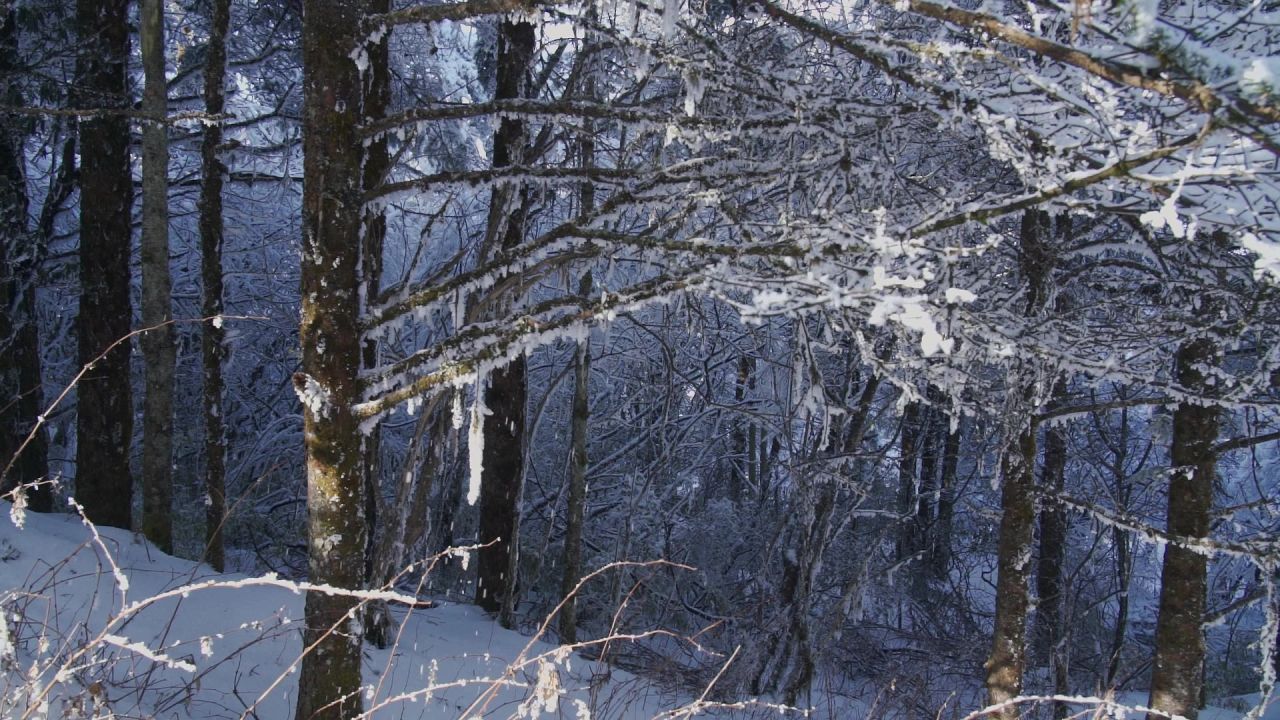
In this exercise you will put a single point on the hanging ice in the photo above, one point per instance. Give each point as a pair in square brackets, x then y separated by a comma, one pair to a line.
[475, 444]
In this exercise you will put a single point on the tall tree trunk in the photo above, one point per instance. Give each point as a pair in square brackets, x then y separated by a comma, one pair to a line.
[20, 396]
[1051, 629]
[157, 305]
[104, 417]
[212, 352]
[908, 467]
[407, 521]
[1120, 538]
[1176, 678]
[792, 657]
[931, 442]
[376, 165]
[505, 394]
[575, 512]
[1007, 661]
[940, 537]
[329, 685]
[577, 481]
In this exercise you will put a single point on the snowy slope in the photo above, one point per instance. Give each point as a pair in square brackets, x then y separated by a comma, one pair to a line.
[219, 652]
[100, 623]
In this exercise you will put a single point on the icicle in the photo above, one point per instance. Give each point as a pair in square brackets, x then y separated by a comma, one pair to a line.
[475, 444]
[694, 87]
[670, 14]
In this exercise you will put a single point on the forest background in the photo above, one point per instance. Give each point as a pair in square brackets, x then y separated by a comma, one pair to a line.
[769, 347]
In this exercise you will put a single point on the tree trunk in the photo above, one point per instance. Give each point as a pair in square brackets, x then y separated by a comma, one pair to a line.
[790, 662]
[1176, 678]
[940, 537]
[408, 521]
[500, 487]
[330, 680]
[157, 306]
[212, 352]
[1120, 629]
[1120, 538]
[505, 395]
[908, 466]
[104, 417]
[376, 164]
[1051, 629]
[1007, 661]
[21, 400]
[577, 482]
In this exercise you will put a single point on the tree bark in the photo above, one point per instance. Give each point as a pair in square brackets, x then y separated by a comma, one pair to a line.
[377, 98]
[1007, 661]
[212, 351]
[104, 417]
[157, 305]
[908, 539]
[1053, 551]
[1120, 538]
[577, 482]
[21, 399]
[505, 394]
[330, 680]
[1176, 678]
[408, 519]
[940, 537]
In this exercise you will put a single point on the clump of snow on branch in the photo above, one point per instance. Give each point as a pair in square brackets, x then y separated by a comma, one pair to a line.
[312, 394]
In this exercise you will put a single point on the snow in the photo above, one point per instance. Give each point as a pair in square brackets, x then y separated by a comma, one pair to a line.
[191, 643]
[313, 396]
[1145, 13]
[1260, 77]
[1268, 252]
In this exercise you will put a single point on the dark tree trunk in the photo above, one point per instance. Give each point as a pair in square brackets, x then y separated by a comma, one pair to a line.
[930, 447]
[500, 486]
[577, 482]
[791, 660]
[1007, 662]
[212, 352]
[1120, 629]
[1120, 538]
[406, 523]
[104, 417]
[21, 399]
[376, 164]
[329, 684]
[505, 395]
[1176, 678]
[158, 350]
[908, 537]
[1051, 629]
[940, 537]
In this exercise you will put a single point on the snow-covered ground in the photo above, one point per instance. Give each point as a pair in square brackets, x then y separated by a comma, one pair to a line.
[78, 640]
[100, 623]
